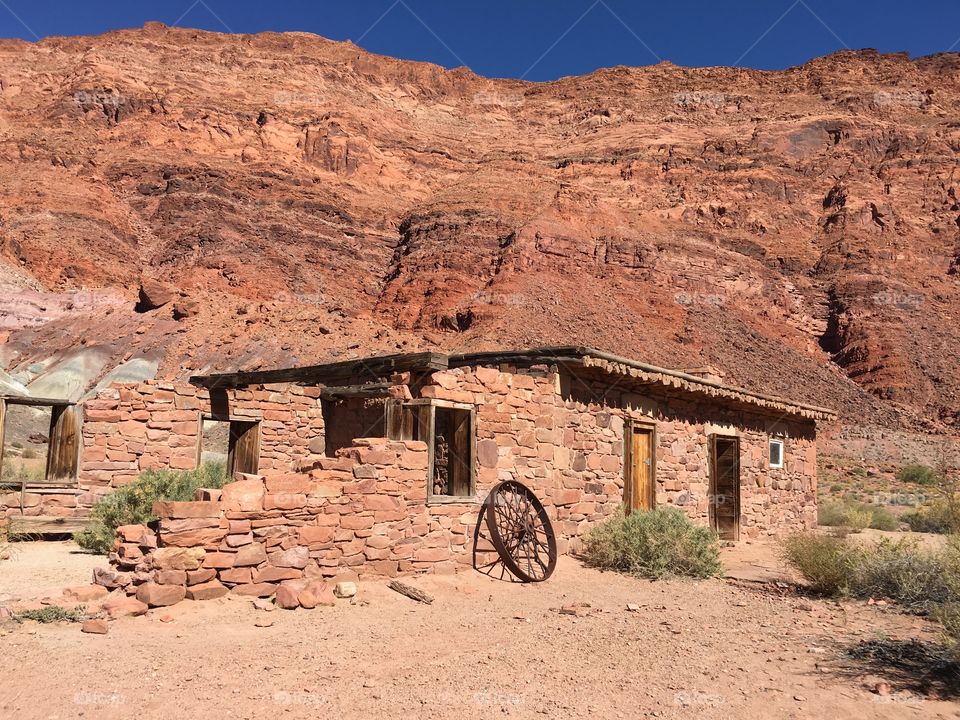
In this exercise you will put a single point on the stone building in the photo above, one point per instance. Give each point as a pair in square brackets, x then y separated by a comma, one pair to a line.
[382, 464]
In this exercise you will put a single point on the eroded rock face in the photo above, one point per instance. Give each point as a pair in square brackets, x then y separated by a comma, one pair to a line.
[797, 230]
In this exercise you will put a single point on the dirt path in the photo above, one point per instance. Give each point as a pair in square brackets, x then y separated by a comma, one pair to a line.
[714, 649]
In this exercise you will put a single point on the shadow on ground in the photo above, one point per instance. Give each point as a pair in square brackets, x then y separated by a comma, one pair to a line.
[922, 668]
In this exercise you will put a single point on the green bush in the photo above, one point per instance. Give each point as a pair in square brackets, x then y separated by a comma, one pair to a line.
[883, 519]
[918, 474]
[52, 613]
[855, 515]
[826, 562]
[935, 518]
[133, 504]
[919, 580]
[654, 544]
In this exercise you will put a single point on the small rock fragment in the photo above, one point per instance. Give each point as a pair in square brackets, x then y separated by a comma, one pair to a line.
[95, 627]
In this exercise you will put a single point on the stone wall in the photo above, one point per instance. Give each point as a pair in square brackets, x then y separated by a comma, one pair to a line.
[362, 512]
[563, 437]
[130, 428]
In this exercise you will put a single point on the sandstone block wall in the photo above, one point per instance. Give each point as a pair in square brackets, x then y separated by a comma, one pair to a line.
[130, 428]
[362, 512]
[563, 437]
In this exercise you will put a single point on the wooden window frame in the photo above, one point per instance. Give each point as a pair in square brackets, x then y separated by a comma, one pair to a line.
[398, 425]
[58, 411]
[783, 453]
[629, 425]
[712, 453]
[231, 461]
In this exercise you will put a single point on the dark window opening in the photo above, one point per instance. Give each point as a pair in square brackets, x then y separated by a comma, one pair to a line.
[452, 456]
[346, 419]
[449, 433]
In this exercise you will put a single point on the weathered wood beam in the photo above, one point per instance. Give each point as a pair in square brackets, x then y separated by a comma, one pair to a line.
[372, 368]
[410, 591]
[370, 390]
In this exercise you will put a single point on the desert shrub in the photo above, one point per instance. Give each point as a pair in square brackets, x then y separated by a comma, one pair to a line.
[883, 519]
[826, 562]
[918, 474]
[29, 454]
[935, 518]
[133, 504]
[52, 613]
[20, 472]
[920, 580]
[654, 544]
[17, 445]
[830, 514]
[949, 616]
[855, 516]
[917, 579]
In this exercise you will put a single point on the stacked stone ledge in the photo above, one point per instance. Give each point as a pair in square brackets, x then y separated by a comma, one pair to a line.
[292, 536]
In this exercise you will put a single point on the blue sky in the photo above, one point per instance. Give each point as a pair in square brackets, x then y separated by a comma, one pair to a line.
[539, 39]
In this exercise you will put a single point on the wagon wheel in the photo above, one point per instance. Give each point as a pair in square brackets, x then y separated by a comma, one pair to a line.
[521, 531]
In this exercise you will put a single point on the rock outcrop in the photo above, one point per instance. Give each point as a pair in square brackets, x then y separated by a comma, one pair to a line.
[797, 230]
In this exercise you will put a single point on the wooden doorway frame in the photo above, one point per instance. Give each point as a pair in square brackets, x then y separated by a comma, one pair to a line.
[714, 438]
[630, 427]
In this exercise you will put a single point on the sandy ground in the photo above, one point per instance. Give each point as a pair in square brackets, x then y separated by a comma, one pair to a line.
[38, 569]
[485, 648]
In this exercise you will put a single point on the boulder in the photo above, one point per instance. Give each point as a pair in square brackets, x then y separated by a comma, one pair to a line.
[288, 597]
[154, 294]
[171, 577]
[345, 589]
[206, 591]
[86, 593]
[96, 627]
[255, 589]
[132, 533]
[178, 558]
[156, 595]
[195, 577]
[185, 308]
[252, 554]
[122, 606]
[295, 557]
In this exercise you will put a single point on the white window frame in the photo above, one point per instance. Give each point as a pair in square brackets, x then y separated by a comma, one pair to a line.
[783, 448]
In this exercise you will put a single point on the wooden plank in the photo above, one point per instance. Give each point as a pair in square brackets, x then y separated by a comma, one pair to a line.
[63, 450]
[368, 390]
[372, 368]
[460, 462]
[45, 525]
[27, 400]
[244, 454]
[399, 420]
[410, 591]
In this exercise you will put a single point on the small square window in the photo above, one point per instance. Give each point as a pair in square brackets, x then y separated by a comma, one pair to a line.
[776, 453]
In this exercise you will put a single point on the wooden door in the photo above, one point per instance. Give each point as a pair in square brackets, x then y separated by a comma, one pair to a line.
[63, 449]
[638, 486]
[244, 450]
[725, 486]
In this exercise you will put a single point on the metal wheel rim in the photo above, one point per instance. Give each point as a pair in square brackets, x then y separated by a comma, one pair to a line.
[521, 531]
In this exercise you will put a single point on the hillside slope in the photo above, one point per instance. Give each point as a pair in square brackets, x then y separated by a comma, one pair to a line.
[291, 199]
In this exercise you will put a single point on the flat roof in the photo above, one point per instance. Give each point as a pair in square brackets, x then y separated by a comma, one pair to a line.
[379, 367]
